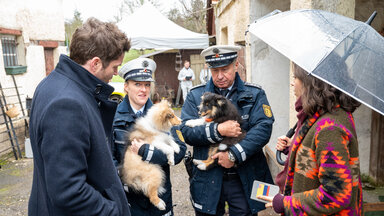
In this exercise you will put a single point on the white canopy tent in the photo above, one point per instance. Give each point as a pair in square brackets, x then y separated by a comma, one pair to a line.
[149, 29]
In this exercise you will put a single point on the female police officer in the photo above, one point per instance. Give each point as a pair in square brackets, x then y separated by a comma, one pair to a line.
[138, 77]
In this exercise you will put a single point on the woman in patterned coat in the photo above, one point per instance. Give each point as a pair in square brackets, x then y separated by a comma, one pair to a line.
[323, 175]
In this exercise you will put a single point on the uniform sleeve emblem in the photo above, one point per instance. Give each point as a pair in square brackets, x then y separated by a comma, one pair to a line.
[267, 111]
[180, 135]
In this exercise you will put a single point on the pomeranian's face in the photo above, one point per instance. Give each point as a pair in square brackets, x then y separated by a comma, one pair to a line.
[165, 115]
[210, 104]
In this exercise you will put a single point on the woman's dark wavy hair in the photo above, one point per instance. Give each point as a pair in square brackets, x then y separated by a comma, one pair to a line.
[318, 95]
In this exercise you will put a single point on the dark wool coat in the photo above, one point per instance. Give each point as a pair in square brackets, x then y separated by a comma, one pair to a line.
[70, 131]
[323, 170]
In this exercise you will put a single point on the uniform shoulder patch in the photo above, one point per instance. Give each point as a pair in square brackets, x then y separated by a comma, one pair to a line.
[267, 110]
[198, 86]
[180, 135]
[253, 85]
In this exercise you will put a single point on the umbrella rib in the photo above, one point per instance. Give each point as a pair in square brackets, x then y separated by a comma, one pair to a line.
[381, 100]
[325, 56]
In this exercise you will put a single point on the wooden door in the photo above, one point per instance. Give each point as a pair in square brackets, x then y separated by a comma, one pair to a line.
[376, 167]
[49, 63]
[197, 63]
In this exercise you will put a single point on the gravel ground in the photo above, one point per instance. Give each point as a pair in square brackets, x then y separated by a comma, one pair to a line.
[180, 191]
[15, 187]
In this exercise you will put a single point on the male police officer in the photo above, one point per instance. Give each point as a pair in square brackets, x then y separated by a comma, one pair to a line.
[242, 163]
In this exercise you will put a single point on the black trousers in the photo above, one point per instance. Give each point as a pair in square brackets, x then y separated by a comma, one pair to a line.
[232, 192]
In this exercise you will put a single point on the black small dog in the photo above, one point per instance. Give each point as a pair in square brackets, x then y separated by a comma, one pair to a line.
[218, 109]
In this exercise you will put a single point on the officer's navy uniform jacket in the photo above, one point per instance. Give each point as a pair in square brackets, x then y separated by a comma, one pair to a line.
[253, 106]
[70, 131]
[123, 122]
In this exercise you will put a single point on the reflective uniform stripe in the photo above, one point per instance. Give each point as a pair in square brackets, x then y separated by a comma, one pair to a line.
[208, 133]
[197, 205]
[168, 213]
[150, 153]
[241, 150]
[119, 142]
[215, 132]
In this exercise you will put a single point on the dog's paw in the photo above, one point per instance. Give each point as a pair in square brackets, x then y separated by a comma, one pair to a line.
[195, 122]
[171, 161]
[176, 148]
[200, 164]
[223, 147]
[197, 162]
[161, 205]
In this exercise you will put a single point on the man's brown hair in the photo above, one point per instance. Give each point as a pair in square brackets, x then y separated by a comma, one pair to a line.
[318, 95]
[98, 39]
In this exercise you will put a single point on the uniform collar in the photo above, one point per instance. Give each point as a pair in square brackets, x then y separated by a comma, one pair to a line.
[125, 106]
[98, 88]
[135, 111]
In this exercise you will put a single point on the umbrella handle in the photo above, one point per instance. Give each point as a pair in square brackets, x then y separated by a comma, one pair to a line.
[370, 19]
[289, 134]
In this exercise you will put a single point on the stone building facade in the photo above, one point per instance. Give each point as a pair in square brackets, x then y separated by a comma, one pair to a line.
[32, 34]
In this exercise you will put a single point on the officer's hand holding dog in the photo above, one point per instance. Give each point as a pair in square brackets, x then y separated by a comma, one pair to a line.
[136, 144]
[223, 159]
[229, 128]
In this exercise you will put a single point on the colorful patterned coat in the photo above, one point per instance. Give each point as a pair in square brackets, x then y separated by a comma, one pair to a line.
[324, 173]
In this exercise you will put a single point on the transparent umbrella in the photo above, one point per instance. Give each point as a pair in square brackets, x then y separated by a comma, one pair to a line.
[343, 52]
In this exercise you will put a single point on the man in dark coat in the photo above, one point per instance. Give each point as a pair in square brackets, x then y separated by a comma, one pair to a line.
[70, 128]
[244, 162]
[138, 77]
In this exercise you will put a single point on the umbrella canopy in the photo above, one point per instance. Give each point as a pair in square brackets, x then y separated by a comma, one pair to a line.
[149, 29]
[343, 52]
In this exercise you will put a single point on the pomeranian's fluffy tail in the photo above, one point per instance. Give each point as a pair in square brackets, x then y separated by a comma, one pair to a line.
[144, 177]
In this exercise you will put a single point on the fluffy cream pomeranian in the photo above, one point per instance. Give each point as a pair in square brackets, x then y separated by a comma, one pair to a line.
[153, 129]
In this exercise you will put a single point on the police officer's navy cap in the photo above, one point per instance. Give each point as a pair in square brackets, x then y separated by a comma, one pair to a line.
[220, 55]
[139, 69]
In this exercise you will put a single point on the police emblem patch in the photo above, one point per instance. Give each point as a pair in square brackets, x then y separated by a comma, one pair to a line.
[267, 111]
[180, 135]
[145, 63]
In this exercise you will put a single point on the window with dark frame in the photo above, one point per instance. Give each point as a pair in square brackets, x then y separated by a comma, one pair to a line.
[9, 50]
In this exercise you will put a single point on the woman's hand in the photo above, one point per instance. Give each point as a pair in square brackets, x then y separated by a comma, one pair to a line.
[283, 142]
[136, 144]
[269, 200]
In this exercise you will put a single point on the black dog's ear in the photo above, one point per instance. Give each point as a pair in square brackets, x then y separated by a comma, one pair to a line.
[221, 101]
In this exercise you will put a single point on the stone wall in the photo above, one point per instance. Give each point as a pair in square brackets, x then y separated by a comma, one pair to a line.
[364, 9]
[233, 16]
[343, 7]
[33, 21]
